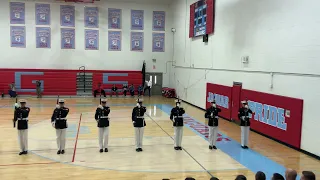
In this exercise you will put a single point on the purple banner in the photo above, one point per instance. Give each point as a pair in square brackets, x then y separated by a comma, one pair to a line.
[158, 42]
[114, 40]
[137, 41]
[43, 37]
[91, 39]
[17, 13]
[43, 15]
[159, 20]
[68, 38]
[67, 15]
[91, 17]
[137, 19]
[18, 36]
[114, 18]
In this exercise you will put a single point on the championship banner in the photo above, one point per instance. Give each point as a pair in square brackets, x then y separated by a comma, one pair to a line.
[67, 38]
[158, 40]
[18, 36]
[114, 18]
[43, 37]
[137, 19]
[91, 17]
[137, 41]
[114, 40]
[67, 15]
[159, 21]
[91, 39]
[17, 13]
[43, 15]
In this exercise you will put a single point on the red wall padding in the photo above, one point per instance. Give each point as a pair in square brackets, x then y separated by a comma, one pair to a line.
[62, 82]
[222, 95]
[291, 135]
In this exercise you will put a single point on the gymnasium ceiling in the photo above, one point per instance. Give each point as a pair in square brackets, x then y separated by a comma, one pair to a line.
[132, 1]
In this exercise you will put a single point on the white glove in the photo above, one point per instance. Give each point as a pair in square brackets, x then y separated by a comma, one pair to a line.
[138, 105]
[133, 122]
[16, 105]
[101, 107]
[57, 106]
[211, 115]
[53, 124]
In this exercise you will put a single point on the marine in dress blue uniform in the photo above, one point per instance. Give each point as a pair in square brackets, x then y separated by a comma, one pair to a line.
[243, 115]
[212, 115]
[176, 117]
[21, 116]
[102, 118]
[139, 123]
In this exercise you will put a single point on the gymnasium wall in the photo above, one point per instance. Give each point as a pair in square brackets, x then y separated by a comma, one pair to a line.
[282, 41]
[102, 59]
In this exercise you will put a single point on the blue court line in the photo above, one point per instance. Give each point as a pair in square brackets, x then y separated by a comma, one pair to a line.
[247, 157]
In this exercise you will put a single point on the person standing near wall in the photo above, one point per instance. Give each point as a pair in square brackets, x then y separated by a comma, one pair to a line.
[12, 91]
[140, 89]
[148, 87]
[131, 89]
[59, 122]
[21, 115]
[125, 89]
[38, 86]
[212, 115]
[243, 115]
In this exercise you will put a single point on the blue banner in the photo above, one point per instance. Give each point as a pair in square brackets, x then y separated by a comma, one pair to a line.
[91, 39]
[43, 37]
[68, 38]
[18, 36]
[159, 20]
[91, 17]
[137, 41]
[67, 15]
[114, 40]
[43, 14]
[158, 42]
[17, 13]
[114, 18]
[137, 19]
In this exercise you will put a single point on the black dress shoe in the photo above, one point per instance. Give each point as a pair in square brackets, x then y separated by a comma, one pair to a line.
[243, 147]
[137, 150]
[210, 147]
[176, 148]
[246, 147]
[180, 148]
[25, 152]
[101, 150]
[62, 152]
[214, 147]
[106, 150]
[59, 152]
[20, 153]
[140, 149]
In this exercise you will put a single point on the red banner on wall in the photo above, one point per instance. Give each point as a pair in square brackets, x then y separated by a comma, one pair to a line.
[279, 117]
[222, 95]
[191, 27]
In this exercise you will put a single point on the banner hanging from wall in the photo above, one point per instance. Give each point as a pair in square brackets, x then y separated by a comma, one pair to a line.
[43, 14]
[114, 40]
[91, 17]
[114, 18]
[17, 13]
[159, 21]
[137, 19]
[18, 36]
[137, 41]
[43, 37]
[91, 39]
[158, 41]
[67, 15]
[67, 38]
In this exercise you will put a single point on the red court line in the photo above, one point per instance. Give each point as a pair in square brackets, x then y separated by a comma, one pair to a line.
[75, 144]
[28, 164]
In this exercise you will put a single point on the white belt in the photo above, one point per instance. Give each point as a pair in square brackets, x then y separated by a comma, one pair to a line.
[140, 116]
[61, 118]
[178, 116]
[22, 119]
[104, 117]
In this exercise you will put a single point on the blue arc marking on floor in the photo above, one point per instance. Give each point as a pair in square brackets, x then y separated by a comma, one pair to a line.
[248, 158]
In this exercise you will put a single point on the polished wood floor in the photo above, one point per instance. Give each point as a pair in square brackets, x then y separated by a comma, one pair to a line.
[157, 161]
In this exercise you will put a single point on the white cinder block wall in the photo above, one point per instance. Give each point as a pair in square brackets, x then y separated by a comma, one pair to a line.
[55, 58]
[278, 36]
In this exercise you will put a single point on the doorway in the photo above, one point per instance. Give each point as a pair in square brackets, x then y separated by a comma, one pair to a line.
[156, 79]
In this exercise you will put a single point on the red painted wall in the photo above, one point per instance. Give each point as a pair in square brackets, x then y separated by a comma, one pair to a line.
[62, 82]
[293, 120]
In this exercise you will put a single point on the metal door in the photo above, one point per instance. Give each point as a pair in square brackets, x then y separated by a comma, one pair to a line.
[156, 79]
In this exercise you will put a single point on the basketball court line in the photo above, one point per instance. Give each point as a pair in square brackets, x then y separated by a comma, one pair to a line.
[28, 164]
[76, 143]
